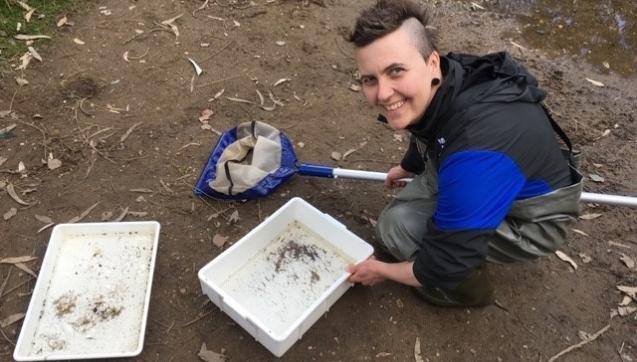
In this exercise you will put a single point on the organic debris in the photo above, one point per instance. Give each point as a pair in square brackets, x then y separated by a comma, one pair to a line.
[11, 319]
[234, 217]
[209, 356]
[142, 190]
[83, 214]
[78, 41]
[281, 81]
[137, 213]
[122, 215]
[198, 69]
[44, 219]
[219, 240]
[624, 311]
[595, 83]
[589, 216]
[9, 214]
[173, 27]
[578, 231]
[589, 339]
[629, 291]
[60, 23]
[585, 258]
[628, 261]
[31, 37]
[417, 353]
[128, 132]
[354, 87]
[35, 54]
[53, 163]
[560, 254]
[336, 156]
[18, 259]
[596, 178]
[14, 195]
[106, 215]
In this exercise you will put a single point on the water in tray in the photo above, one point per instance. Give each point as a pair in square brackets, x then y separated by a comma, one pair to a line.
[283, 280]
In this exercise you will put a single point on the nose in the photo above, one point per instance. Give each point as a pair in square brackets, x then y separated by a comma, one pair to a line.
[385, 91]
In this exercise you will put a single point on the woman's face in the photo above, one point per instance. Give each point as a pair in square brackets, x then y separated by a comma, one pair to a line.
[396, 79]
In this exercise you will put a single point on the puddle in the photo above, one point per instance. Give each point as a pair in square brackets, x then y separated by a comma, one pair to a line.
[603, 32]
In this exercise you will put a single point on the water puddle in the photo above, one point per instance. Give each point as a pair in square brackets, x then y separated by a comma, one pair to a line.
[603, 32]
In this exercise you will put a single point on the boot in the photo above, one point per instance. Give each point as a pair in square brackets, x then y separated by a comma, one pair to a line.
[474, 291]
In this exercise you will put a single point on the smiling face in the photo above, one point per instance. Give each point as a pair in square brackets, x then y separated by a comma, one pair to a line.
[396, 78]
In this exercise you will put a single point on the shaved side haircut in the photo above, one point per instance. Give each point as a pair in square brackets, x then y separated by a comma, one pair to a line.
[387, 16]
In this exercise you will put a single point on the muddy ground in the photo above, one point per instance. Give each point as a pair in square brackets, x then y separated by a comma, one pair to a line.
[83, 98]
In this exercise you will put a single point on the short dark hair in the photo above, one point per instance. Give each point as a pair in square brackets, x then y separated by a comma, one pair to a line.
[388, 15]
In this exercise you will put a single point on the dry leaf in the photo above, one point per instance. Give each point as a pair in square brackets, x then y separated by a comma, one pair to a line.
[3, 160]
[128, 132]
[517, 45]
[209, 356]
[560, 254]
[172, 26]
[261, 99]
[106, 215]
[383, 354]
[595, 83]
[619, 245]
[31, 37]
[236, 23]
[625, 301]
[61, 22]
[83, 214]
[78, 41]
[122, 215]
[300, 144]
[280, 43]
[624, 311]
[596, 178]
[630, 263]
[589, 216]
[198, 69]
[354, 87]
[53, 163]
[585, 258]
[28, 15]
[35, 54]
[11, 319]
[125, 56]
[629, 291]
[21, 167]
[219, 240]
[9, 214]
[234, 217]
[26, 269]
[239, 100]
[144, 191]
[138, 213]
[281, 81]
[45, 227]
[218, 94]
[44, 219]
[206, 114]
[21, 81]
[18, 259]
[336, 156]
[24, 5]
[24, 63]
[417, 353]
[14, 196]
[580, 232]
[605, 133]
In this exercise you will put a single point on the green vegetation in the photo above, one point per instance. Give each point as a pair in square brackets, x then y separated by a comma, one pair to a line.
[43, 21]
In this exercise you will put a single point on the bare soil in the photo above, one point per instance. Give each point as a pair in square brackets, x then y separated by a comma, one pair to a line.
[82, 99]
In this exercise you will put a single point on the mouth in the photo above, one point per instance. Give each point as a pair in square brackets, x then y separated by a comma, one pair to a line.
[394, 106]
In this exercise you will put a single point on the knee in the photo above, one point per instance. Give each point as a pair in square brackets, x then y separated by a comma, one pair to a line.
[394, 220]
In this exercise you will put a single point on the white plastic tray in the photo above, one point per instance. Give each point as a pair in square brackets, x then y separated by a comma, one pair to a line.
[280, 278]
[92, 293]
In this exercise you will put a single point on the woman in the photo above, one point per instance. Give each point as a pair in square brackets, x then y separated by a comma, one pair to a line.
[491, 183]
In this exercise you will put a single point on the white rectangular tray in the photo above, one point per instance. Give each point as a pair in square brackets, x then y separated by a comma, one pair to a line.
[281, 277]
[92, 293]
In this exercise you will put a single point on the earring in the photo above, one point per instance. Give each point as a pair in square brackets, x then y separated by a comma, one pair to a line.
[435, 82]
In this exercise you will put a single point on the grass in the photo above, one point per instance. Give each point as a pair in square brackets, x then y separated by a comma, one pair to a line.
[43, 21]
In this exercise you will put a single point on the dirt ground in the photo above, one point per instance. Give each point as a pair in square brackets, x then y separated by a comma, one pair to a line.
[83, 98]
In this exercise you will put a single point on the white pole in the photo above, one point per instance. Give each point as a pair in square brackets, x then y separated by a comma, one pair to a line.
[586, 196]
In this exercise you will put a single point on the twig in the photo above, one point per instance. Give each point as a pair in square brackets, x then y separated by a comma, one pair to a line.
[259, 209]
[218, 51]
[200, 8]
[12, 98]
[170, 328]
[220, 80]
[17, 286]
[144, 35]
[195, 320]
[580, 344]
[4, 283]
[5, 337]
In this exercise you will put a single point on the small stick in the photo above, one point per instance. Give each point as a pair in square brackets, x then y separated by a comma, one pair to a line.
[219, 51]
[6, 338]
[578, 345]
[171, 327]
[17, 286]
[4, 283]
[196, 320]
[259, 208]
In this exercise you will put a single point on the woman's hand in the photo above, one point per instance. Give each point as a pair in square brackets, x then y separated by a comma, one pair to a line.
[366, 272]
[394, 175]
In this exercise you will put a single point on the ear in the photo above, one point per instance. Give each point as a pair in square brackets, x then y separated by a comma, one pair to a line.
[434, 59]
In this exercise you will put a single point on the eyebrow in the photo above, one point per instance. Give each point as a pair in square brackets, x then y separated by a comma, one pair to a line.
[385, 70]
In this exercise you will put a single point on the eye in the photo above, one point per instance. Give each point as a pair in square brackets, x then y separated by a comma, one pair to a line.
[368, 81]
[396, 71]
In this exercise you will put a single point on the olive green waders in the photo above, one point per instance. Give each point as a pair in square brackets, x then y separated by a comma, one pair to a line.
[534, 227]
